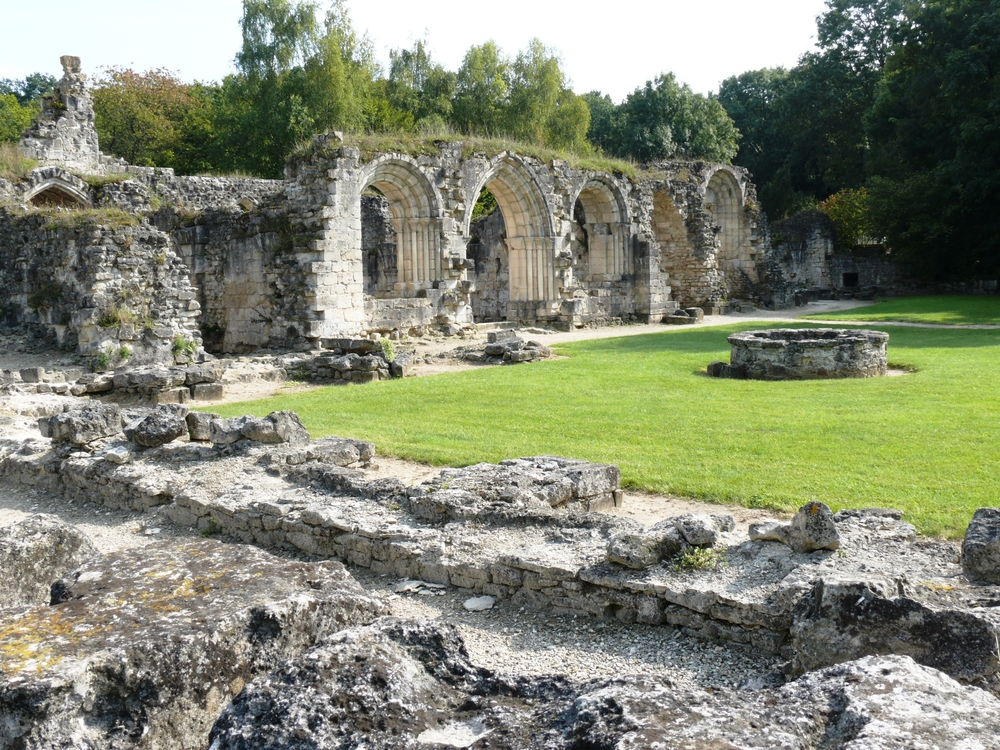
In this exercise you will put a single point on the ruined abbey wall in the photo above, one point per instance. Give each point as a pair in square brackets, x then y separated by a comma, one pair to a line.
[353, 244]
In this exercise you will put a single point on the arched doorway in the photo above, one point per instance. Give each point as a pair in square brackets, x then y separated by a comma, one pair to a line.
[724, 200]
[532, 282]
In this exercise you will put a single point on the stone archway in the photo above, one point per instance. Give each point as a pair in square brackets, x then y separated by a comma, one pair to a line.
[54, 186]
[724, 201]
[602, 218]
[529, 237]
[414, 214]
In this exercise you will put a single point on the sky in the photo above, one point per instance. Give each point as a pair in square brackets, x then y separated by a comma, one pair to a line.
[609, 47]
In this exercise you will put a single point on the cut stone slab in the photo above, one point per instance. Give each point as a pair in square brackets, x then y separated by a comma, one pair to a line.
[479, 603]
[199, 425]
[36, 553]
[846, 618]
[981, 547]
[399, 684]
[276, 427]
[146, 646]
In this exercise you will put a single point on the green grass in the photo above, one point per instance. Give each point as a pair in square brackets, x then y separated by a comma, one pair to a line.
[947, 309]
[925, 442]
[413, 144]
[13, 166]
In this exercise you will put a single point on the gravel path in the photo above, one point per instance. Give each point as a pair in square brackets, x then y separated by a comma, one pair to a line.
[522, 640]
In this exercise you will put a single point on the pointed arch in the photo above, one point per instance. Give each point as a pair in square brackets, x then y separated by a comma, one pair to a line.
[529, 226]
[47, 186]
[605, 222]
[415, 211]
[724, 200]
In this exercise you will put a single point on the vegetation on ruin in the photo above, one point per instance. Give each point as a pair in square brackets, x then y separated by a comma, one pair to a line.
[918, 442]
[97, 181]
[940, 309]
[13, 166]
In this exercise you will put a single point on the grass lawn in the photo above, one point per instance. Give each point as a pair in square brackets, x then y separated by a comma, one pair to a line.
[946, 309]
[925, 442]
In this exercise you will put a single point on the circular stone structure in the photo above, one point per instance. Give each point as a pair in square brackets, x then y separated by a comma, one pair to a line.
[805, 354]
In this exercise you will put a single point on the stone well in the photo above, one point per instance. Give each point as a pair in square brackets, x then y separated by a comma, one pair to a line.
[804, 354]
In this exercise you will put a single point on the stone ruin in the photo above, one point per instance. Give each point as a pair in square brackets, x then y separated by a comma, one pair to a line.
[350, 245]
[206, 643]
[804, 354]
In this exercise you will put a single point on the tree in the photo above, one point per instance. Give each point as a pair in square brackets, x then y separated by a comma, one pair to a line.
[295, 77]
[29, 89]
[935, 134]
[420, 86]
[602, 130]
[139, 116]
[14, 118]
[482, 89]
[665, 119]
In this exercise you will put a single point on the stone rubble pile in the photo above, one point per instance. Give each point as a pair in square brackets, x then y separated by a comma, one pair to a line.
[155, 384]
[505, 347]
[144, 648]
[399, 684]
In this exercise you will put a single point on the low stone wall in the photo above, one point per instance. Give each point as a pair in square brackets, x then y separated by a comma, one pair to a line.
[806, 354]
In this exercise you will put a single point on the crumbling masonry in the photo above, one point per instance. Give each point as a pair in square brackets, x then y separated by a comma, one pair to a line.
[354, 245]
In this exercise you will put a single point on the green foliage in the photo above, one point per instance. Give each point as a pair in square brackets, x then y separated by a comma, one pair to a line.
[850, 212]
[14, 118]
[84, 217]
[116, 316]
[700, 558]
[935, 138]
[388, 350]
[819, 433]
[482, 89]
[803, 130]
[13, 166]
[97, 181]
[181, 346]
[664, 120]
[938, 309]
[29, 89]
[486, 204]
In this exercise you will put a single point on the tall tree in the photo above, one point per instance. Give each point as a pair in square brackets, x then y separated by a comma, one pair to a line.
[482, 90]
[420, 86]
[665, 119]
[935, 131]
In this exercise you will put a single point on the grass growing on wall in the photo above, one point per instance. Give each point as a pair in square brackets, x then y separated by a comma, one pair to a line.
[13, 166]
[371, 144]
[924, 442]
[945, 309]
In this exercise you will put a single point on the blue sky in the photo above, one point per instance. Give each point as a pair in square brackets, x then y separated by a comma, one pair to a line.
[612, 47]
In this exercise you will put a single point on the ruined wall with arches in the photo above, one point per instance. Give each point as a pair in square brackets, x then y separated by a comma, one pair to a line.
[568, 247]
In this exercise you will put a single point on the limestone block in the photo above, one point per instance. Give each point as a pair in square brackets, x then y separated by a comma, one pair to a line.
[981, 546]
[207, 391]
[85, 425]
[812, 528]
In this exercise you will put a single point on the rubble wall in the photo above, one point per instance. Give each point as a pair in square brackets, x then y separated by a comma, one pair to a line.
[98, 282]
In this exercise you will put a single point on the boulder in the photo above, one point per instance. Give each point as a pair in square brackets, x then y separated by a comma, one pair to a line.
[700, 529]
[981, 546]
[36, 553]
[812, 528]
[85, 425]
[553, 481]
[847, 617]
[276, 427]
[144, 647]
[156, 429]
[399, 684]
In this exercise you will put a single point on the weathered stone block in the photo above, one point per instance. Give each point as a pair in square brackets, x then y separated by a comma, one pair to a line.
[207, 391]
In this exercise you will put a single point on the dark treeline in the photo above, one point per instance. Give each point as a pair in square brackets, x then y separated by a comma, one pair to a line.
[890, 126]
